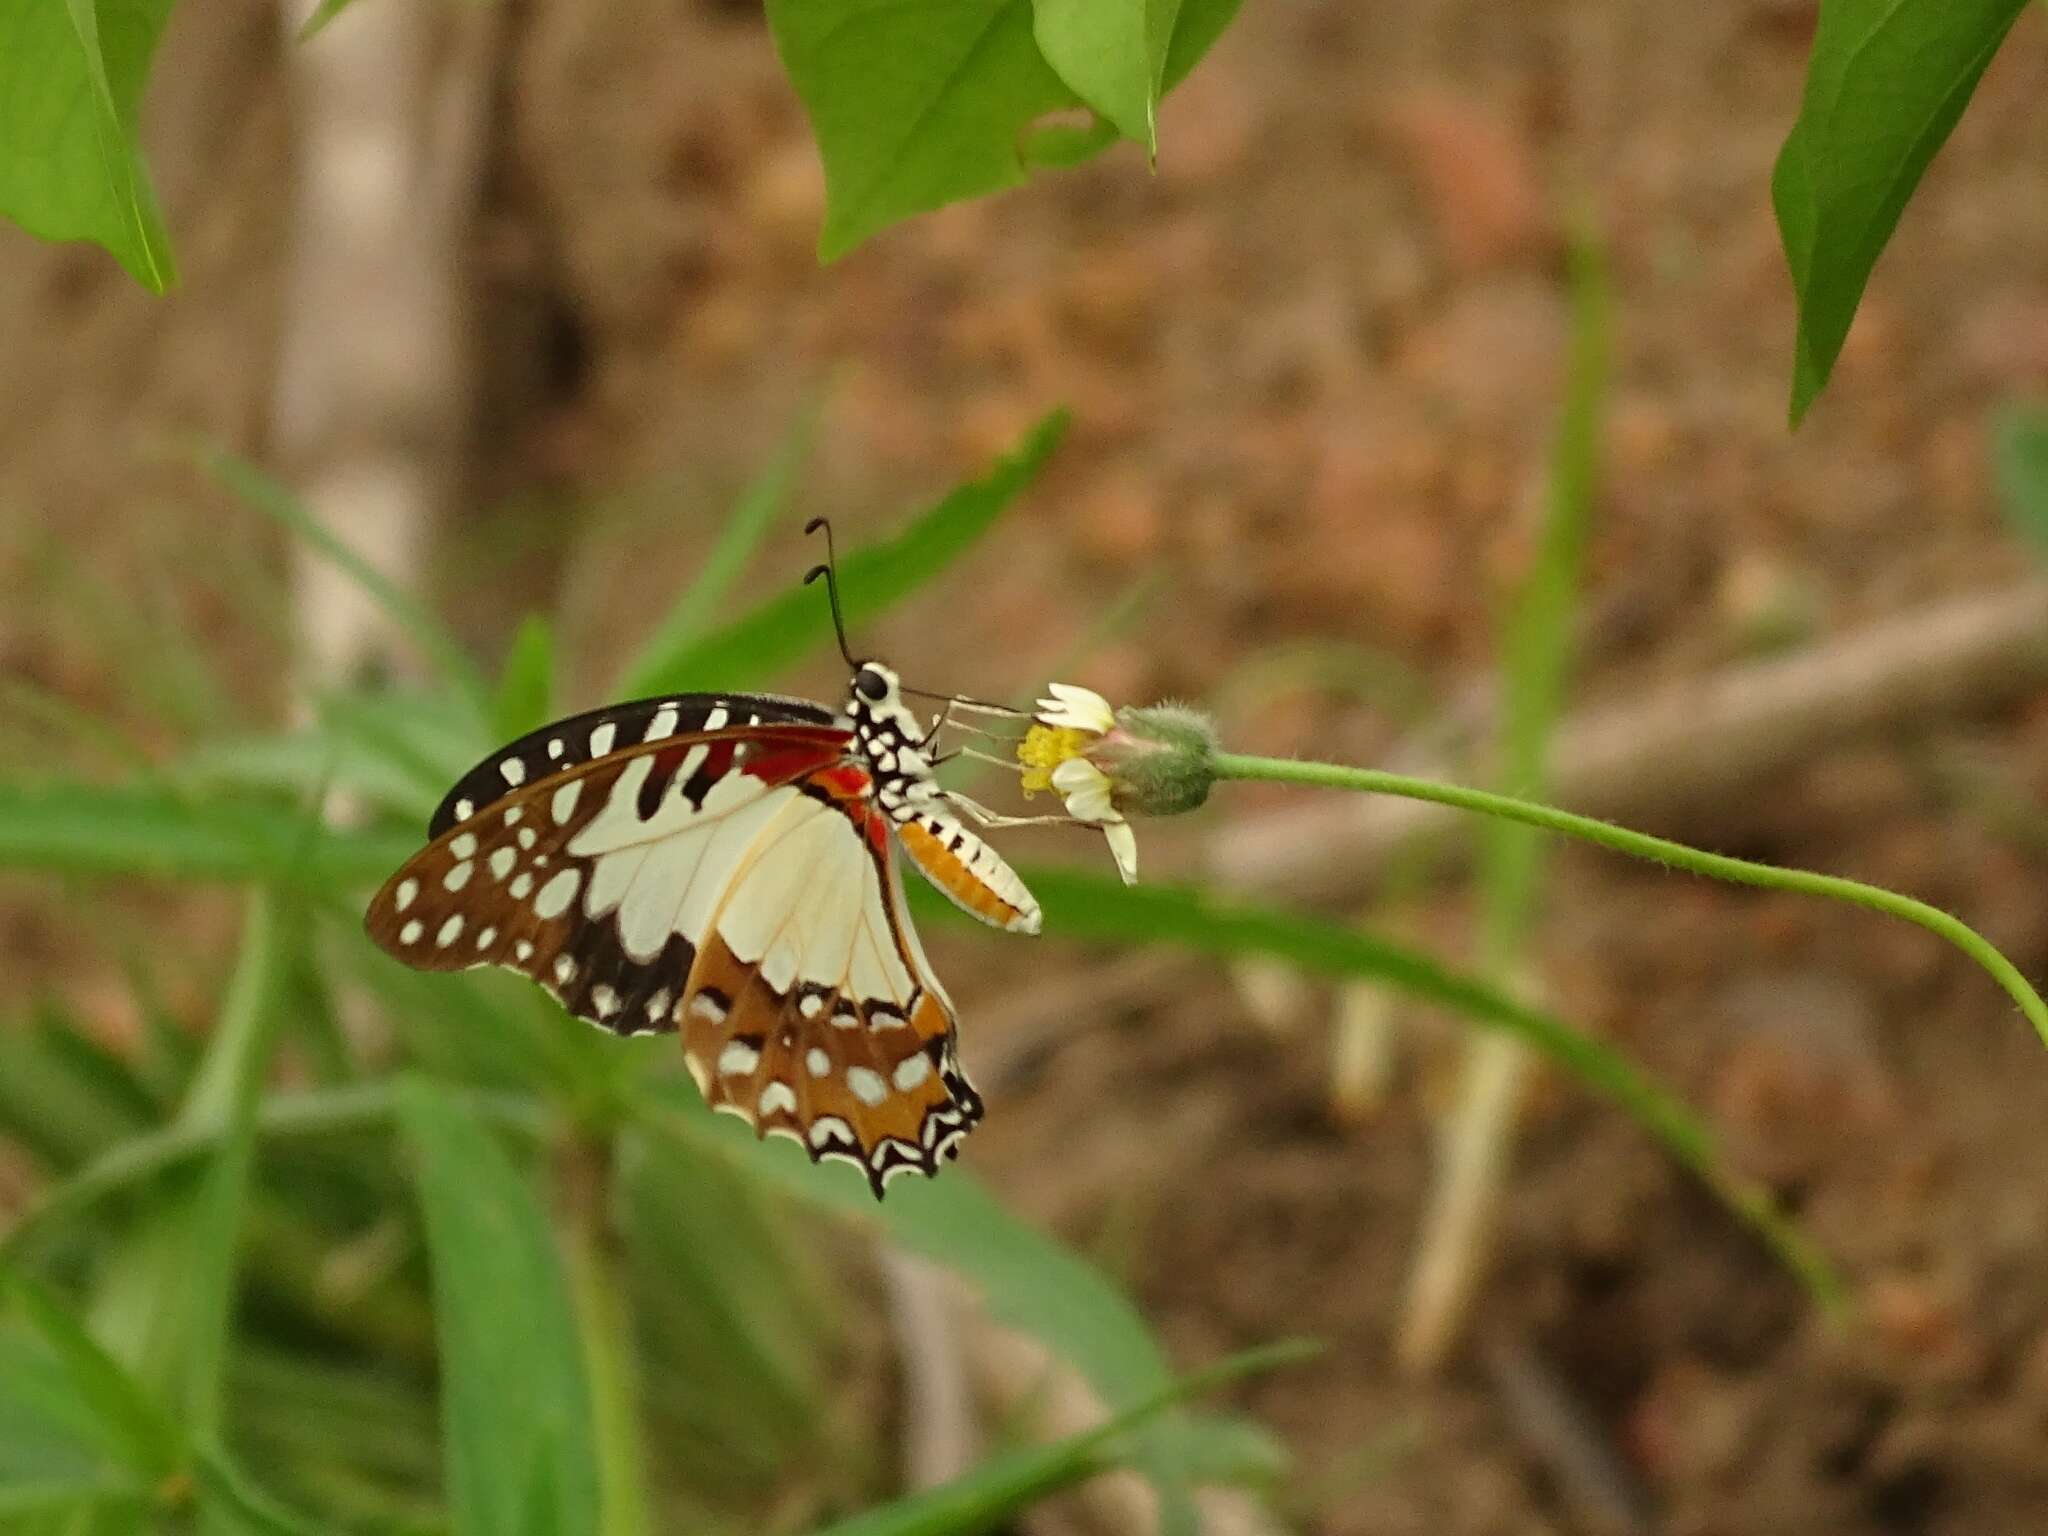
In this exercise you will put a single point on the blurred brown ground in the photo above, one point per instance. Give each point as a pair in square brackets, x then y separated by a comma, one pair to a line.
[1313, 365]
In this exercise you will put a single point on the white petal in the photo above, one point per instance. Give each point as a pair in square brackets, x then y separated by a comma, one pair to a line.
[1071, 708]
[1085, 788]
[1123, 847]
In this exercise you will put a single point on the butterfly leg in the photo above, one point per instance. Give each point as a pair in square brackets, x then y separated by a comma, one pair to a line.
[988, 818]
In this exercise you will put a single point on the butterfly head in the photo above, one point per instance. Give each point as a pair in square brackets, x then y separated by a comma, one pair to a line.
[874, 702]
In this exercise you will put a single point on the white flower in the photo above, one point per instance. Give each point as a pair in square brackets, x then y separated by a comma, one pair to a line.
[1075, 709]
[1053, 756]
[1085, 789]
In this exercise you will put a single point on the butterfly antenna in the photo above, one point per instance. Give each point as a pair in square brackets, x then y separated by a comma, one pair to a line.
[830, 571]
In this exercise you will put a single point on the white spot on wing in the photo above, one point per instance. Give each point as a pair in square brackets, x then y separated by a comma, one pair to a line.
[737, 1059]
[520, 885]
[829, 1128]
[410, 933]
[527, 837]
[708, 1008]
[912, 1070]
[486, 938]
[776, 1096]
[514, 771]
[450, 931]
[458, 877]
[554, 746]
[810, 1005]
[867, 1085]
[606, 1002]
[502, 860]
[663, 723]
[564, 804]
[716, 719]
[464, 847]
[512, 815]
[601, 737]
[816, 1062]
[402, 897]
[565, 969]
[657, 1006]
[464, 809]
[555, 896]
[523, 951]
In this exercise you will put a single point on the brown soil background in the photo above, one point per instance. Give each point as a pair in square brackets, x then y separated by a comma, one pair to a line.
[1313, 364]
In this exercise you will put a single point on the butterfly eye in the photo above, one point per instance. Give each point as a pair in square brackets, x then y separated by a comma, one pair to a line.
[871, 684]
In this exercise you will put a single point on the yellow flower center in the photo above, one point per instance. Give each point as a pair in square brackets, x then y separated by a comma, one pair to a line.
[1043, 749]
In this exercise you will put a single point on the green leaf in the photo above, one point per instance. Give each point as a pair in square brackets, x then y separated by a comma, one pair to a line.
[87, 829]
[71, 78]
[1082, 906]
[1887, 82]
[872, 579]
[760, 508]
[913, 105]
[515, 1404]
[1112, 54]
[132, 1428]
[527, 685]
[2019, 453]
[1195, 30]
[1004, 1486]
[405, 612]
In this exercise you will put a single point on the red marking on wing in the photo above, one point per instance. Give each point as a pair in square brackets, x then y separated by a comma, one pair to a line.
[793, 761]
[844, 781]
[878, 835]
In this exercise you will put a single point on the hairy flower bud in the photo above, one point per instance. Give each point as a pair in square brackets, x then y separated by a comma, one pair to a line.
[1159, 760]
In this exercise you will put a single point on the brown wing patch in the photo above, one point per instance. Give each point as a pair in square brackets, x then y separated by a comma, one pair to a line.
[863, 1084]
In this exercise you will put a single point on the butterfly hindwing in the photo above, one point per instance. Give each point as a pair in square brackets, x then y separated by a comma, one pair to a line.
[812, 1012]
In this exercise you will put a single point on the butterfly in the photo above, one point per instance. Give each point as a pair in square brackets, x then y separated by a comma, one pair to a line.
[728, 867]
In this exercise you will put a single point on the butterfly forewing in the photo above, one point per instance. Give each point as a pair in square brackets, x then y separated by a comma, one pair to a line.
[735, 881]
[601, 732]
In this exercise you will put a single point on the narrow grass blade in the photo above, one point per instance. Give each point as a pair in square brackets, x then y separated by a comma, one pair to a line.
[282, 1116]
[1088, 907]
[55, 1101]
[139, 1433]
[526, 688]
[83, 829]
[1006, 1485]
[1536, 644]
[2019, 455]
[601, 1301]
[515, 1401]
[406, 613]
[763, 504]
[223, 1100]
[784, 630]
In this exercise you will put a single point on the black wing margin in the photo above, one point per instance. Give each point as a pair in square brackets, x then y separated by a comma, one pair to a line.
[593, 734]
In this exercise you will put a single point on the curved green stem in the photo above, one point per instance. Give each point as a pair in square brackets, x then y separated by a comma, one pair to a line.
[1231, 765]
